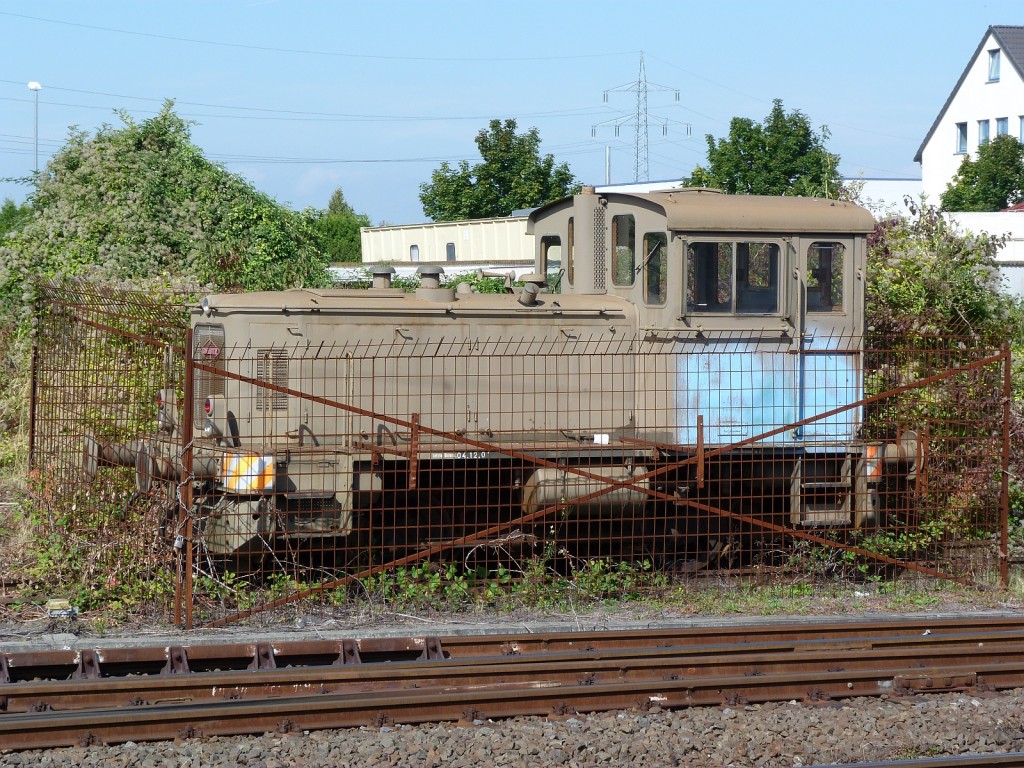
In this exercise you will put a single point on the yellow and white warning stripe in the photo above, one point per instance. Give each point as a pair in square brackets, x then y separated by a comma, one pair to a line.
[248, 473]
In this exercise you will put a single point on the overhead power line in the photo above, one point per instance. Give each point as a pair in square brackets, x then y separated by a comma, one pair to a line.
[309, 51]
[640, 120]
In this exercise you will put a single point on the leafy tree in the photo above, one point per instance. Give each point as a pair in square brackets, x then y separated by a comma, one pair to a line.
[780, 156]
[141, 201]
[339, 229]
[13, 216]
[992, 182]
[511, 177]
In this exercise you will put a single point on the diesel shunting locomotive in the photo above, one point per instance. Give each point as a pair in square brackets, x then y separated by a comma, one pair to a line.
[681, 365]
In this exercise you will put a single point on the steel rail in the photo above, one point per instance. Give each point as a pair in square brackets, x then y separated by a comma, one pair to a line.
[456, 703]
[1004, 760]
[152, 659]
[995, 651]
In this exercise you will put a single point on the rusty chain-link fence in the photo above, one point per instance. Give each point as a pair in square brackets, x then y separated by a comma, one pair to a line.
[346, 463]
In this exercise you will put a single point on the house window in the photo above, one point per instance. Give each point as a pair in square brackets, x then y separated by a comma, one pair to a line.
[1022, 129]
[982, 132]
[624, 253]
[1002, 126]
[961, 138]
[993, 66]
[414, 253]
[449, 251]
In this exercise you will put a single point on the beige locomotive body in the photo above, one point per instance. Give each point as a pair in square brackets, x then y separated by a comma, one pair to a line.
[675, 357]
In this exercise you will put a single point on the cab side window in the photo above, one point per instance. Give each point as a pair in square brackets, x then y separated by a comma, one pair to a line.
[655, 267]
[570, 269]
[550, 252]
[623, 250]
[825, 277]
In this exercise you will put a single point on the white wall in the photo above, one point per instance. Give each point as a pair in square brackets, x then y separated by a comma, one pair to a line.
[1011, 257]
[886, 196]
[977, 99]
[476, 241]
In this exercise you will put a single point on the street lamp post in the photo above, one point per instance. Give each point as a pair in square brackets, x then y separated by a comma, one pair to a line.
[34, 86]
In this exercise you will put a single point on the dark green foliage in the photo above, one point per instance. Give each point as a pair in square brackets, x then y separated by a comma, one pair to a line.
[780, 156]
[512, 176]
[338, 228]
[992, 182]
[13, 216]
[140, 202]
[925, 276]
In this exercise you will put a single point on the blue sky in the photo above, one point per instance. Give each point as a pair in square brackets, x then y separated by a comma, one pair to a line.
[303, 97]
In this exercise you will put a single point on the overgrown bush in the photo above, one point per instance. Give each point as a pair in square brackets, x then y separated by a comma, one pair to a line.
[142, 201]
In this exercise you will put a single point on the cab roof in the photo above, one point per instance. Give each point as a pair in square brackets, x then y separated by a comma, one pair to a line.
[708, 210]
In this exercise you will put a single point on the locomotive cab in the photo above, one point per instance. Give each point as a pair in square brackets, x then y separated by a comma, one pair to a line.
[751, 319]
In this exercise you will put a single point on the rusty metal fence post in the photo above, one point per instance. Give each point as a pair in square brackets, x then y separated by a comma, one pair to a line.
[188, 420]
[1004, 501]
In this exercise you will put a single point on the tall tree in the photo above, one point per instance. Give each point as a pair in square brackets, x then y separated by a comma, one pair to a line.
[992, 182]
[339, 229]
[141, 201]
[782, 155]
[511, 177]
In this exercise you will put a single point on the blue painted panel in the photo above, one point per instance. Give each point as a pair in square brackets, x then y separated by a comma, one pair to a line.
[741, 389]
[830, 381]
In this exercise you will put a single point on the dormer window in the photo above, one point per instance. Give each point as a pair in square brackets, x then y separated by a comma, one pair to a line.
[993, 66]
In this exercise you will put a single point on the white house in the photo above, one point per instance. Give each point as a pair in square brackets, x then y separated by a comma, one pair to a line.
[987, 101]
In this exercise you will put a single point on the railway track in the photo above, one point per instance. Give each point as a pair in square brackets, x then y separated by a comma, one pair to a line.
[109, 695]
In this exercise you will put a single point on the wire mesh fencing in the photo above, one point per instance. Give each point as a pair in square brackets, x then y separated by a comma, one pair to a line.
[101, 357]
[232, 475]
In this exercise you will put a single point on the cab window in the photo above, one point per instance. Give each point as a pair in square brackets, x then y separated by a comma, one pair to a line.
[736, 277]
[655, 267]
[623, 250]
[550, 252]
[825, 277]
[570, 271]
